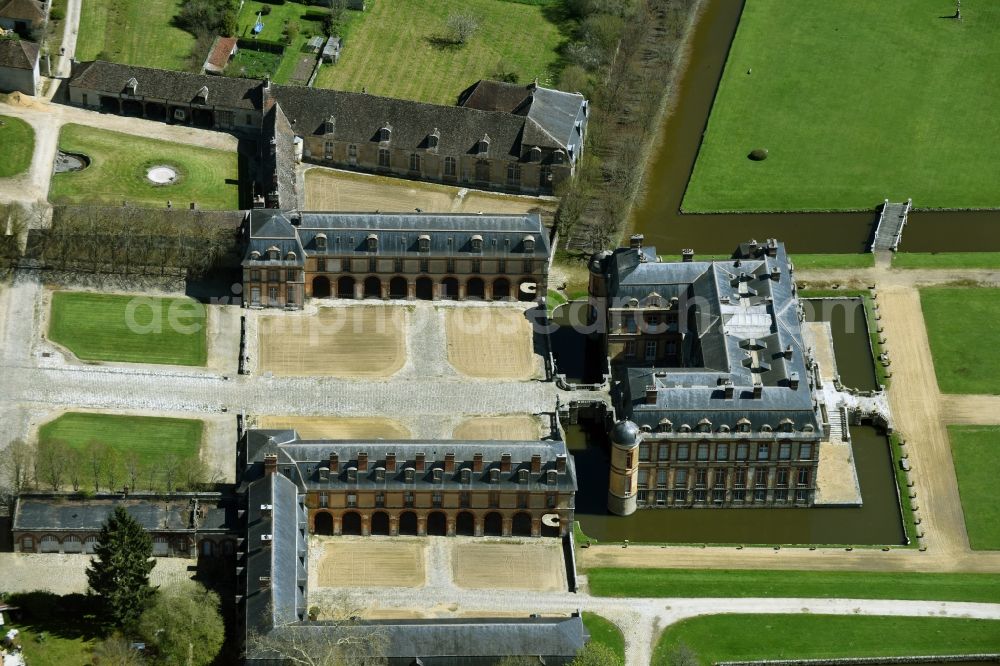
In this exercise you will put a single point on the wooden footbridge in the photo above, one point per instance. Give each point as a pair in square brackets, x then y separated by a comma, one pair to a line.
[889, 228]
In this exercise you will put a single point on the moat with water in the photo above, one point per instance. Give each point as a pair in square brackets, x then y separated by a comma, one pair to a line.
[658, 216]
[876, 522]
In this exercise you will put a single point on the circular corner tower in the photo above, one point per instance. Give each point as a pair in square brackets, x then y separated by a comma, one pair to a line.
[624, 481]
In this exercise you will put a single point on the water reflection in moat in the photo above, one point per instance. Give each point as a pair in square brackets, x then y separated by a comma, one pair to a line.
[877, 522]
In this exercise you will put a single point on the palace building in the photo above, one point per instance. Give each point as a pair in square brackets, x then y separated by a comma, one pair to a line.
[711, 380]
[442, 487]
[291, 256]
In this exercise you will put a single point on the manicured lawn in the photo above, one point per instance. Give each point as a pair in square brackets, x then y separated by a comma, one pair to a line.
[55, 630]
[961, 326]
[151, 438]
[132, 329]
[820, 261]
[974, 450]
[18, 145]
[392, 52]
[605, 631]
[119, 163]
[253, 64]
[751, 637]
[946, 260]
[777, 583]
[134, 32]
[283, 66]
[855, 102]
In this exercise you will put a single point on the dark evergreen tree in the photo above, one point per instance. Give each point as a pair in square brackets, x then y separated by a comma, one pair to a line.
[119, 574]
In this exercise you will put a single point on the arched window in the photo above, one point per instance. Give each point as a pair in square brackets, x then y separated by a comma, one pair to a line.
[529, 245]
[321, 242]
[535, 154]
[291, 256]
[665, 425]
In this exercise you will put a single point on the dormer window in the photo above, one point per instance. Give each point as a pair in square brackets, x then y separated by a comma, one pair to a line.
[254, 255]
[433, 139]
[704, 425]
[203, 95]
[438, 474]
[132, 86]
[552, 477]
[352, 474]
[477, 243]
[372, 242]
[494, 475]
[466, 475]
[424, 243]
[665, 426]
[291, 256]
[329, 125]
[321, 242]
[273, 253]
[559, 156]
[408, 474]
[743, 425]
[535, 154]
[522, 476]
[529, 243]
[385, 134]
[483, 147]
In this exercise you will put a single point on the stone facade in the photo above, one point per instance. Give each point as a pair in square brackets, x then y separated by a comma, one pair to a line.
[714, 384]
[19, 67]
[289, 257]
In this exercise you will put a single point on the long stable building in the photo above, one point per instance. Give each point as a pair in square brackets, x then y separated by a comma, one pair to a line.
[291, 256]
[712, 380]
[517, 138]
[437, 488]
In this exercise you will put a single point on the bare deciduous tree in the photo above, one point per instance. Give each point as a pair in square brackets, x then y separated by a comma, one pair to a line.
[17, 464]
[96, 452]
[52, 461]
[461, 27]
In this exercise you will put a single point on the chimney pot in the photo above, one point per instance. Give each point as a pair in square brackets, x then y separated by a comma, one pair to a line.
[788, 352]
[363, 461]
[271, 463]
[561, 463]
[477, 463]
[390, 462]
[758, 391]
[334, 463]
[449, 463]
[687, 255]
[504, 462]
[421, 462]
[650, 395]
[536, 463]
[635, 241]
[793, 380]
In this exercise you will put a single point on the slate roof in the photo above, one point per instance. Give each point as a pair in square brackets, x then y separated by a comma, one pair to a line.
[161, 84]
[17, 54]
[487, 95]
[155, 514]
[300, 461]
[359, 117]
[23, 10]
[742, 315]
[275, 565]
[398, 233]
[463, 641]
[279, 163]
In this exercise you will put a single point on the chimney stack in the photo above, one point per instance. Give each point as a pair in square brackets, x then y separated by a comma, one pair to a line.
[421, 462]
[752, 246]
[334, 463]
[536, 463]
[729, 390]
[687, 255]
[504, 462]
[561, 463]
[772, 247]
[650, 395]
[449, 463]
[758, 391]
[788, 352]
[271, 463]
[775, 273]
[363, 461]
[635, 241]
[390, 462]
[793, 381]
[477, 463]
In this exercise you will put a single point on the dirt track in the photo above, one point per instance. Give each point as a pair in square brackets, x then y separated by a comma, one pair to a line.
[490, 343]
[321, 427]
[518, 427]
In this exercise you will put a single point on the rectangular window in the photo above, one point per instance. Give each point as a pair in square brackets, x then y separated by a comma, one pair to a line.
[683, 451]
[803, 476]
[781, 495]
[408, 499]
[514, 174]
[494, 499]
[719, 478]
[703, 452]
[760, 477]
[760, 495]
[383, 157]
[328, 149]
[784, 451]
[680, 496]
[522, 500]
[352, 151]
[664, 452]
[324, 500]
[763, 452]
[643, 478]
[680, 478]
[739, 495]
[292, 275]
[630, 349]
[352, 500]
[740, 477]
[805, 451]
[700, 478]
[321, 265]
[551, 500]
[436, 499]
[273, 275]
[255, 276]
[651, 350]
[722, 452]
[742, 451]
[414, 162]
[661, 497]
[641, 496]
[379, 499]
[255, 295]
[477, 266]
[700, 494]
[718, 495]
[449, 167]
[782, 477]
[801, 495]
[661, 477]
[272, 295]
[644, 452]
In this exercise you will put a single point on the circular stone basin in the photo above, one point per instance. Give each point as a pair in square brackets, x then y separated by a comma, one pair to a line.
[66, 162]
[161, 175]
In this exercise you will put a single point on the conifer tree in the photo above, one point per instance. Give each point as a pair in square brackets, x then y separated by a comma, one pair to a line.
[119, 574]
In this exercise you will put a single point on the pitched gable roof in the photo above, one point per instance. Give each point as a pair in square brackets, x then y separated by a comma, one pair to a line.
[23, 10]
[18, 54]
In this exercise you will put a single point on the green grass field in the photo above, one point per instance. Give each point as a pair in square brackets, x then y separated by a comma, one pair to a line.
[133, 32]
[390, 52]
[603, 630]
[777, 583]
[970, 260]
[132, 329]
[974, 450]
[151, 438]
[119, 163]
[18, 141]
[717, 638]
[961, 326]
[855, 102]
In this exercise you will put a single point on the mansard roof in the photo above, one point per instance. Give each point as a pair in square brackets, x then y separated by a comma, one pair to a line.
[162, 84]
